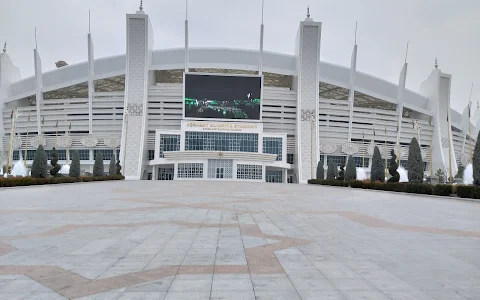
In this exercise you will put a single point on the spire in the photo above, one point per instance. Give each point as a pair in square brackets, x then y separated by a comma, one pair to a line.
[308, 12]
[141, 5]
[436, 63]
[356, 27]
[406, 52]
[263, 3]
[5, 47]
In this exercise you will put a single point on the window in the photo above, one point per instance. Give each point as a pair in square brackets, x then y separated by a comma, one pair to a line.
[337, 160]
[169, 142]
[273, 176]
[107, 154]
[221, 141]
[273, 146]
[220, 168]
[249, 172]
[190, 170]
[151, 154]
[361, 162]
[84, 154]
[290, 158]
[404, 164]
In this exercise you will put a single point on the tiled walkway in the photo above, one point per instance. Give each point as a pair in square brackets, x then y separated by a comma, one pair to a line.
[223, 240]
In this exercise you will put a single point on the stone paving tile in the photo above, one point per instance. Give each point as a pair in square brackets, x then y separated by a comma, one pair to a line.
[222, 240]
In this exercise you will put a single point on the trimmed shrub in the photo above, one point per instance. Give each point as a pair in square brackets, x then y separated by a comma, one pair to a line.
[320, 171]
[119, 168]
[341, 173]
[443, 189]
[393, 168]
[112, 169]
[54, 162]
[476, 162]
[351, 171]
[39, 165]
[466, 191]
[415, 163]
[331, 169]
[98, 168]
[378, 167]
[75, 166]
[356, 184]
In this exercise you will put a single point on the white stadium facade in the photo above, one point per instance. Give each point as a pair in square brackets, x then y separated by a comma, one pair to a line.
[151, 110]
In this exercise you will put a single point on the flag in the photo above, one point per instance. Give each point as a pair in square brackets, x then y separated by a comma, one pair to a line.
[430, 121]
[374, 132]
[28, 116]
[469, 107]
[43, 121]
[70, 126]
[56, 125]
[385, 130]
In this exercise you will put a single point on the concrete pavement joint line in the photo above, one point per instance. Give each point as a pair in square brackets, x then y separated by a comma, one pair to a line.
[72, 285]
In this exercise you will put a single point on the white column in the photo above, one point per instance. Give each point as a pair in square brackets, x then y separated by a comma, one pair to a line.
[154, 172]
[139, 57]
[437, 89]
[351, 94]
[306, 83]
[91, 87]
[400, 100]
[38, 87]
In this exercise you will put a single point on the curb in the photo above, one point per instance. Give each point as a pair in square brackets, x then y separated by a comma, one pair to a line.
[403, 193]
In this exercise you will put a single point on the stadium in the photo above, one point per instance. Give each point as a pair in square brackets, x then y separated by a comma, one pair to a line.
[225, 114]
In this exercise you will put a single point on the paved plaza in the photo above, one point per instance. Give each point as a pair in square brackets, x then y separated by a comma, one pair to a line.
[223, 240]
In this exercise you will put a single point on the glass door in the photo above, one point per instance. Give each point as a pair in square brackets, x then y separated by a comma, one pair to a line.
[219, 173]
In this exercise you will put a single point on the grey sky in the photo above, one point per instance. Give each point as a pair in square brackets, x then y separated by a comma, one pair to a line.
[446, 29]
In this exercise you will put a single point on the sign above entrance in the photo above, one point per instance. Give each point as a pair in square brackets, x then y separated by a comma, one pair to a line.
[222, 126]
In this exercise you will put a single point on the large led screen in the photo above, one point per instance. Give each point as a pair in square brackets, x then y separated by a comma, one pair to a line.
[222, 97]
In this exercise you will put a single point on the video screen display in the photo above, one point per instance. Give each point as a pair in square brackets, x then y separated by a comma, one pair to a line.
[222, 97]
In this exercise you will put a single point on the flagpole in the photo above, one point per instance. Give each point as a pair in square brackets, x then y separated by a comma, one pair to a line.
[68, 143]
[385, 146]
[449, 150]
[431, 153]
[363, 153]
[469, 130]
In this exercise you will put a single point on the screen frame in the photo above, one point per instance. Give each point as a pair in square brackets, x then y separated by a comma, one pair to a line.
[224, 75]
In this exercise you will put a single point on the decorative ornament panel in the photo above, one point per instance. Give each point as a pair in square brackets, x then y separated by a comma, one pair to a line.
[465, 159]
[3, 157]
[308, 115]
[89, 141]
[17, 142]
[64, 141]
[444, 142]
[135, 109]
[328, 147]
[349, 148]
[133, 147]
[37, 141]
[112, 141]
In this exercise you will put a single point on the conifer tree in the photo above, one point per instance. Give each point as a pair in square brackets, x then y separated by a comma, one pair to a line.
[351, 171]
[393, 168]
[39, 165]
[378, 166]
[320, 171]
[112, 169]
[98, 168]
[476, 162]
[75, 165]
[331, 169]
[415, 163]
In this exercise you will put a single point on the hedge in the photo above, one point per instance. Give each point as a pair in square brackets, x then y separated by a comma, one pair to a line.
[24, 181]
[414, 188]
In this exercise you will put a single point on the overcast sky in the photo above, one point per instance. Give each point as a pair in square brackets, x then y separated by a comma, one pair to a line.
[447, 29]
